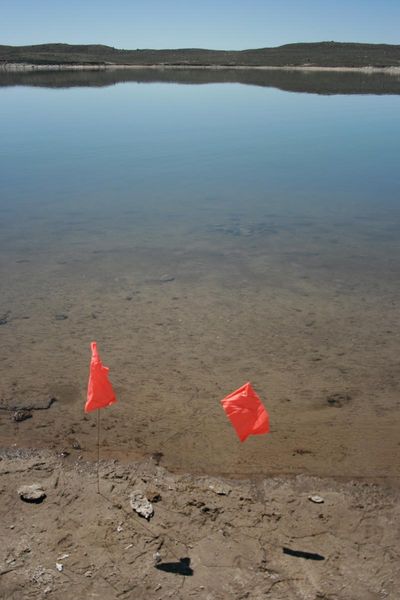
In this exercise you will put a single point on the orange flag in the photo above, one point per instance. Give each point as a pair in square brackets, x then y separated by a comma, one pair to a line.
[100, 393]
[246, 412]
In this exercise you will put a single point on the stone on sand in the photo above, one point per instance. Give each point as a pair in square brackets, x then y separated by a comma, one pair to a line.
[32, 493]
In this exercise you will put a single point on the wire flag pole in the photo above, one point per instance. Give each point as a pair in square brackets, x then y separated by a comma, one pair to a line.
[98, 451]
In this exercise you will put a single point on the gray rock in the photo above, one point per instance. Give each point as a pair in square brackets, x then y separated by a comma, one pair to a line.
[220, 488]
[32, 493]
[141, 505]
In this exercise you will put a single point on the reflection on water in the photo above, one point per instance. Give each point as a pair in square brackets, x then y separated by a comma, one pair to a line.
[317, 82]
[204, 235]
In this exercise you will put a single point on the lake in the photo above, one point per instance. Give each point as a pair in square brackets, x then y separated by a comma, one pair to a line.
[206, 229]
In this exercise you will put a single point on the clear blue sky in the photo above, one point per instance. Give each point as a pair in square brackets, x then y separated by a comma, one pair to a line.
[228, 24]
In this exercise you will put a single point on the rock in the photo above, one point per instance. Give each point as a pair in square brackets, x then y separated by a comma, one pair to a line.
[5, 318]
[59, 567]
[157, 456]
[76, 445]
[141, 505]
[166, 278]
[21, 415]
[152, 494]
[316, 499]
[220, 488]
[61, 317]
[63, 557]
[32, 493]
[338, 399]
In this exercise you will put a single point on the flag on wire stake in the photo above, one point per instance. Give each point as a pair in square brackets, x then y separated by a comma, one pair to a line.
[99, 395]
[246, 412]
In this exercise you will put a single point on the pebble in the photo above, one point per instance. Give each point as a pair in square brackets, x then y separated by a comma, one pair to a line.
[316, 499]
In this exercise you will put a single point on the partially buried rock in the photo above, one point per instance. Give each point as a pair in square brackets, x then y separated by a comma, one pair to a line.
[220, 488]
[141, 505]
[32, 493]
[21, 415]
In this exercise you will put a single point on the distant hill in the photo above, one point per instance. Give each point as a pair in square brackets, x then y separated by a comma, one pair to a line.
[320, 54]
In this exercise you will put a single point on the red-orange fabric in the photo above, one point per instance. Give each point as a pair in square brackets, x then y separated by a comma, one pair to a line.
[100, 393]
[246, 413]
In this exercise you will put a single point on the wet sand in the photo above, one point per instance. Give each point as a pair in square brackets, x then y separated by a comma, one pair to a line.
[207, 538]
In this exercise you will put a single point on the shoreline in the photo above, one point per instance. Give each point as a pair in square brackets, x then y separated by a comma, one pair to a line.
[23, 67]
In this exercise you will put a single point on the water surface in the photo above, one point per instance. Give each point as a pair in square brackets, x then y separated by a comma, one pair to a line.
[205, 235]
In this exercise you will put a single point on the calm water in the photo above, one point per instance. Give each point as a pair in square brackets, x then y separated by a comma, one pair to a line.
[256, 202]
[193, 152]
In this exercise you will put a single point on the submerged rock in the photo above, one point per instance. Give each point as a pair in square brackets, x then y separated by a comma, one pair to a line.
[338, 399]
[61, 317]
[21, 415]
[166, 278]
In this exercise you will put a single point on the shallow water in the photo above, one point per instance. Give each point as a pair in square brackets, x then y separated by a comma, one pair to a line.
[274, 215]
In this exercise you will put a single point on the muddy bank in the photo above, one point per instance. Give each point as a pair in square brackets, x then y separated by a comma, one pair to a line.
[208, 537]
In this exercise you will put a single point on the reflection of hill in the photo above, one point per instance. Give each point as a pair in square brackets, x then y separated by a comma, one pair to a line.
[293, 81]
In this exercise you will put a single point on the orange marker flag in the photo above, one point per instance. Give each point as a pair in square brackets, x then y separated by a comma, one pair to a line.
[100, 393]
[246, 412]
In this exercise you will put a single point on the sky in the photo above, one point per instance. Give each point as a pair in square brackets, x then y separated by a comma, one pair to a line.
[216, 24]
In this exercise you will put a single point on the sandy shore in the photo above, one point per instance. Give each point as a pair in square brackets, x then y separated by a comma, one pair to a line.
[66, 67]
[237, 539]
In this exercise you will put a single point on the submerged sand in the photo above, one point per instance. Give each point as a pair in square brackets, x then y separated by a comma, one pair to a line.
[306, 312]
